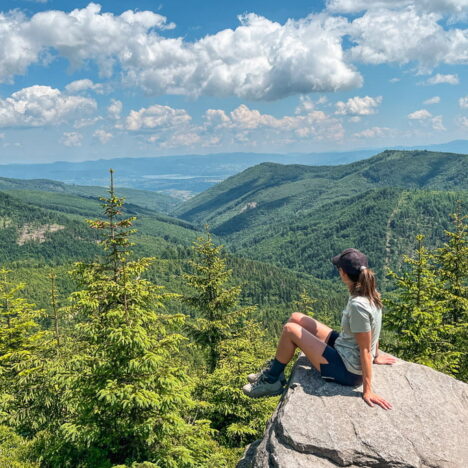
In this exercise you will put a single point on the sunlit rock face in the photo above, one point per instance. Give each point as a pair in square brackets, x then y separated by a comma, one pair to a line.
[321, 424]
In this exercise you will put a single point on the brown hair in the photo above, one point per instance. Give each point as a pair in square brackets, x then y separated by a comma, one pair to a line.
[365, 285]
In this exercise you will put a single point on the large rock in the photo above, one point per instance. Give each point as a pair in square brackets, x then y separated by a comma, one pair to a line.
[323, 425]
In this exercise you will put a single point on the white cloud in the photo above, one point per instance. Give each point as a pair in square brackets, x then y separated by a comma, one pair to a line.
[102, 136]
[84, 85]
[437, 123]
[181, 140]
[42, 105]
[80, 123]
[463, 102]
[405, 36]
[245, 124]
[462, 121]
[394, 80]
[439, 78]
[433, 100]
[72, 139]
[373, 132]
[425, 117]
[2, 136]
[156, 116]
[115, 109]
[448, 7]
[358, 106]
[420, 115]
[260, 59]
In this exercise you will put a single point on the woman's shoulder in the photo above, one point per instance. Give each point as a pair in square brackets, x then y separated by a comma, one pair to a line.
[362, 302]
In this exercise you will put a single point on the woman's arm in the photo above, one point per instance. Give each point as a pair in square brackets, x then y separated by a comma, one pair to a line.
[363, 340]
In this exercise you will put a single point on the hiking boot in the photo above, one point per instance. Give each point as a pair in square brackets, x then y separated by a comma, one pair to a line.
[262, 388]
[253, 377]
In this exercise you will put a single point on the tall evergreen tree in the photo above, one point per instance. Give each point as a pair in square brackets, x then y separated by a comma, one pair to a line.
[216, 303]
[127, 394]
[416, 314]
[452, 259]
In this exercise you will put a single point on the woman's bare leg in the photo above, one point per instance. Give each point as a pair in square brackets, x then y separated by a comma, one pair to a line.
[318, 329]
[294, 335]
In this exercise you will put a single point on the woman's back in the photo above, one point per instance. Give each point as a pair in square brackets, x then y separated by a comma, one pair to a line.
[359, 315]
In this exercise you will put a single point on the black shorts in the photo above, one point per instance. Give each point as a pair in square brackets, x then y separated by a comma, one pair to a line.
[335, 370]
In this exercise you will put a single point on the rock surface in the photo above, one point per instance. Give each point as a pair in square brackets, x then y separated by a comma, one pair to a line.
[321, 424]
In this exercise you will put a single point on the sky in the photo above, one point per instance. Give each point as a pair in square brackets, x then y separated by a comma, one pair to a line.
[82, 81]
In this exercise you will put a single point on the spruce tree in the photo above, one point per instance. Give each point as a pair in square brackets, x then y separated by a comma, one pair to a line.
[216, 303]
[128, 396]
[452, 259]
[237, 418]
[416, 314]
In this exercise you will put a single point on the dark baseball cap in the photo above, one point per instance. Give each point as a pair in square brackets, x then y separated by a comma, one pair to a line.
[351, 260]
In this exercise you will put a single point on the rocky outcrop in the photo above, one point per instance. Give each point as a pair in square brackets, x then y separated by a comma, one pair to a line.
[321, 424]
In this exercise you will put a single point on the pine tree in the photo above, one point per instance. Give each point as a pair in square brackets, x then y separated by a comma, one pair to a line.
[127, 394]
[416, 314]
[216, 303]
[237, 418]
[30, 394]
[452, 259]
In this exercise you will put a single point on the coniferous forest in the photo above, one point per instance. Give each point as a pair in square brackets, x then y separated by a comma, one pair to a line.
[126, 339]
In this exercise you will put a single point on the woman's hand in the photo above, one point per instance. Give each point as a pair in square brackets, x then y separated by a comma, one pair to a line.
[385, 359]
[371, 398]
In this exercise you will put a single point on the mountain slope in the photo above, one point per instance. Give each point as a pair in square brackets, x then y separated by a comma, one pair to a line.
[147, 199]
[277, 192]
[381, 222]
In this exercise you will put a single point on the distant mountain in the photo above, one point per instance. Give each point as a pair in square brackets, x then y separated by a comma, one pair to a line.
[274, 190]
[299, 216]
[147, 199]
[186, 175]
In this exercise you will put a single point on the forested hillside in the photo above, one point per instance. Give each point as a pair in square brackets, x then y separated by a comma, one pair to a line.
[156, 201]
[135, 359]
[299, 216]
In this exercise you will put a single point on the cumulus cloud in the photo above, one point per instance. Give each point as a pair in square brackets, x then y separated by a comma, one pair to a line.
[441, 6]
[405, 36]
[420, 114]
[462, 121]
[156, 116]
[425, 117]
[439, 78]
[102, 136]
[358, 106]
[71, 139]
[42, 105]
[83, 85]
[463, 102]
[373, 132]
[432, 100]
[114, 109]
[260, 59]
[307, 122]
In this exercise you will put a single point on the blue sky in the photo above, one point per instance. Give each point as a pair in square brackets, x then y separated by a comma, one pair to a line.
[82, 80]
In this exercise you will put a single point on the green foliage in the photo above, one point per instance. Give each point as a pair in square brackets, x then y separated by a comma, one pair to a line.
[452, 259]
[215, 302]
[238, 419]
[126, 396]
[416, 313]
[14, 450]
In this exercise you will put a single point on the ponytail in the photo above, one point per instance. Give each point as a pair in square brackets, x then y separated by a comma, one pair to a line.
[365, 285]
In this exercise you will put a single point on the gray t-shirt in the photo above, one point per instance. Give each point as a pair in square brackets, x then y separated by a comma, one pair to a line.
[359, 315]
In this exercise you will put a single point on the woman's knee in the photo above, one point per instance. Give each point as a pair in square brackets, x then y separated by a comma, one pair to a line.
[291, 328]
[296, 317]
